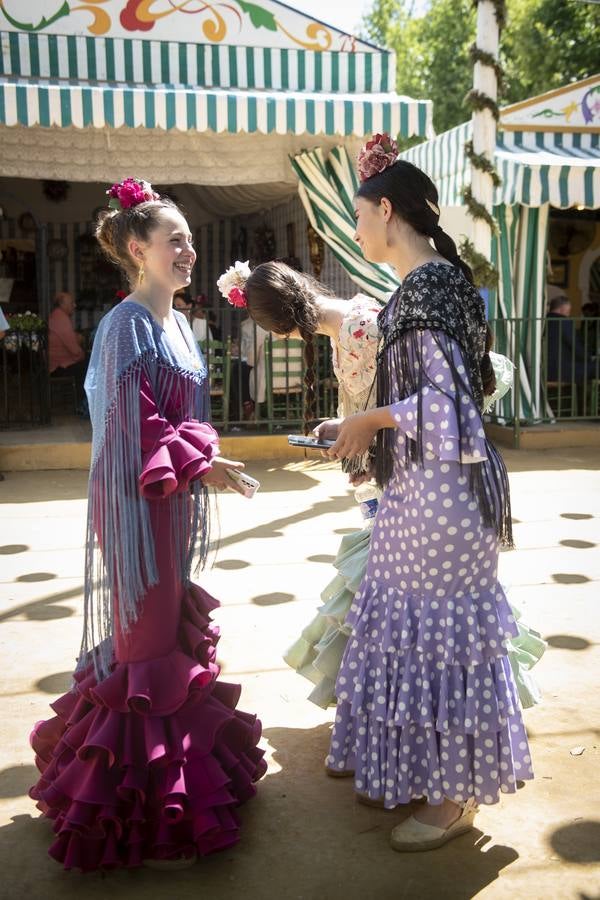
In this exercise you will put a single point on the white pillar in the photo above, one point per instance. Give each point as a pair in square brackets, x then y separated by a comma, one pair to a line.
[484, 124]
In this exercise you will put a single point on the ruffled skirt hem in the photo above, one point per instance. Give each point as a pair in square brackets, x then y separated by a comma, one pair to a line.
[427, 703]
[318, 652]
[151, 762]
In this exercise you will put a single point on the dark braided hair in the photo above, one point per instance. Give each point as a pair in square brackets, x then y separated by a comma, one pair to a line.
[281, 300]
[409, 189]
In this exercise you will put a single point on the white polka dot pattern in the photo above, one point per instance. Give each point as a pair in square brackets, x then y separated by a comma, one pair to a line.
[427, 704]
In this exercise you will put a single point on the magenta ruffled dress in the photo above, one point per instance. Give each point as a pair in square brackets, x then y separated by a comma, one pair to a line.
[152, 761]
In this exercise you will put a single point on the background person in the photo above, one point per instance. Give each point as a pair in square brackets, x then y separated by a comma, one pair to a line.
[65, 345]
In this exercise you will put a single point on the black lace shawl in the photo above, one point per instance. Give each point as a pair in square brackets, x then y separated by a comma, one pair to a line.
[439, 299]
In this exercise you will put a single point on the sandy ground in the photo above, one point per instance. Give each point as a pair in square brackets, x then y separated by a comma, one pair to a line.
[304, 837]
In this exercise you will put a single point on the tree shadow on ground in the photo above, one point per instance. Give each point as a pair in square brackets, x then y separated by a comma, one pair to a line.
[347, 837]
[57, 683]
[271, 529]
[567, 642]
[39, 487]
[558, 459]
[577, 842]
[303, 836]
[44, 608]
[16, 780]
[569, 578]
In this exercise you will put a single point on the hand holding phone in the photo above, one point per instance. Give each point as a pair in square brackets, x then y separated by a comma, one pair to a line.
[309, 443]
[244, 484]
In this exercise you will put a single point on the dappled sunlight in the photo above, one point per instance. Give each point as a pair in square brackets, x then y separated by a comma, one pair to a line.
[567, 642]
[578, 841]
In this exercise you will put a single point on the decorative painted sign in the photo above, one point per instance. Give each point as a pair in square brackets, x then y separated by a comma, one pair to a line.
[574, 108]
[249, 23]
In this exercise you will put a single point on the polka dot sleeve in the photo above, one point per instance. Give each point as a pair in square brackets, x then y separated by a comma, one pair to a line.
[441, 407]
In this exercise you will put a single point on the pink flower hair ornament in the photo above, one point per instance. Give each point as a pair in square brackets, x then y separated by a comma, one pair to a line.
[232, 284]
[129, 193]
[378, 154]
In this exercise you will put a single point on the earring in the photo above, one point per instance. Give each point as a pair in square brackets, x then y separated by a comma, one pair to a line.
[140, 275]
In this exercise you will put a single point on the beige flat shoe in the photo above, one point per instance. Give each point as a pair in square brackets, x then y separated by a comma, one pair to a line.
[171, 865]
[412, 836]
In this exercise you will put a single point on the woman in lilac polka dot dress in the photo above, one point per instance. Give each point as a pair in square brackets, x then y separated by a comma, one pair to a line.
[427, 704]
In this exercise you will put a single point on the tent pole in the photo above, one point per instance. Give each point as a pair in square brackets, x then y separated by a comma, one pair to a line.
[485, 82]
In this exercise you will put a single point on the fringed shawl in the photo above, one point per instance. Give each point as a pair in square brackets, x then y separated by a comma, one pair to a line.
[120, 565]
[438, 298]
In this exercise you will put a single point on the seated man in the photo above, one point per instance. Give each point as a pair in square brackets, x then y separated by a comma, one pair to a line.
[567, 362]
[65, 351]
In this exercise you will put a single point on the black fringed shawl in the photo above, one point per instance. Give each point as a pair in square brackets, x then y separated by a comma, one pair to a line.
[438, 298]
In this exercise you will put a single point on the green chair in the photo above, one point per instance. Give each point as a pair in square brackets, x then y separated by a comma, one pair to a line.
[284, 381]
[218, 360]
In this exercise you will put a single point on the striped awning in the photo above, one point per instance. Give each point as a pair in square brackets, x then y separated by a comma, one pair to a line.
[143, 62]
[536, 168]
[49, 103]
[327, 188]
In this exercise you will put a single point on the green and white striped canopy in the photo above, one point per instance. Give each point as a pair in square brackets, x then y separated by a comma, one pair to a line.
[148, 62]
[536, 168]
[327, 188]
[58, 80]
[36, 102]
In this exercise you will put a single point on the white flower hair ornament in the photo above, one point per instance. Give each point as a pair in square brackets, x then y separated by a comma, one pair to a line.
[232, 284]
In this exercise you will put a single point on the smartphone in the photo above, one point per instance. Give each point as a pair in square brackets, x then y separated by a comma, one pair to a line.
[246, 484]
[300, 440]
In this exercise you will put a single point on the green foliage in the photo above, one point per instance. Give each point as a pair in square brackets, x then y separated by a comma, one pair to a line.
[484, 273]
[549, 43]
[545, 44]
[27, 321]
[432, 52]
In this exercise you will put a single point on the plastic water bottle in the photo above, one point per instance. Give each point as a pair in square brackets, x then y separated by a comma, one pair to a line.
[367, 496]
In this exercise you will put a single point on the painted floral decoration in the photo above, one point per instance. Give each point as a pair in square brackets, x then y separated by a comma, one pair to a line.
[377, 155]
[232, 284]
[130, 192]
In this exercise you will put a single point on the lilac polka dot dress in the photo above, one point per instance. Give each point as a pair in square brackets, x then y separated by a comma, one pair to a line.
[427, 704]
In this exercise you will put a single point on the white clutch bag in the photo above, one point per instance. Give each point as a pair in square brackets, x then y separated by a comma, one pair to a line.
[504, 372]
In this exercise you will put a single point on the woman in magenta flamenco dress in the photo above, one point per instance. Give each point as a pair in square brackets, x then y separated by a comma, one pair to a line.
[147, 758]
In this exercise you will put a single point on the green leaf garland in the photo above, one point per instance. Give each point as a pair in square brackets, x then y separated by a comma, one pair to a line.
[485, 274]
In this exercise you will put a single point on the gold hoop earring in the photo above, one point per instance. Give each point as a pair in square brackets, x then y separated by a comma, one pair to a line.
[140, 275]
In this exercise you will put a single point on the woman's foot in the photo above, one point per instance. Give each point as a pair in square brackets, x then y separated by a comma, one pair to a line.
[433, 826]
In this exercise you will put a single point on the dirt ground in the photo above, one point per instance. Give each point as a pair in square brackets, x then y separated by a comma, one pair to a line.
[304, 837]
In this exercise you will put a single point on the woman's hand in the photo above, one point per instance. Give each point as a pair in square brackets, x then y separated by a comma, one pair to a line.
[355, 435]
[360, 477]
[218, 477]
[328, 430]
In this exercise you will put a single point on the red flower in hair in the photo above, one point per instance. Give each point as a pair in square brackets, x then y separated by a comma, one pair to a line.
[377, 155]
[237, 297]
[130, 192]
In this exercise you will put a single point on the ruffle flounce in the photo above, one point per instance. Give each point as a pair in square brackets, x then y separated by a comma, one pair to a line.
[153, 761]
[524, 652]
[182, 455]
[418, 684]
[318, 652]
